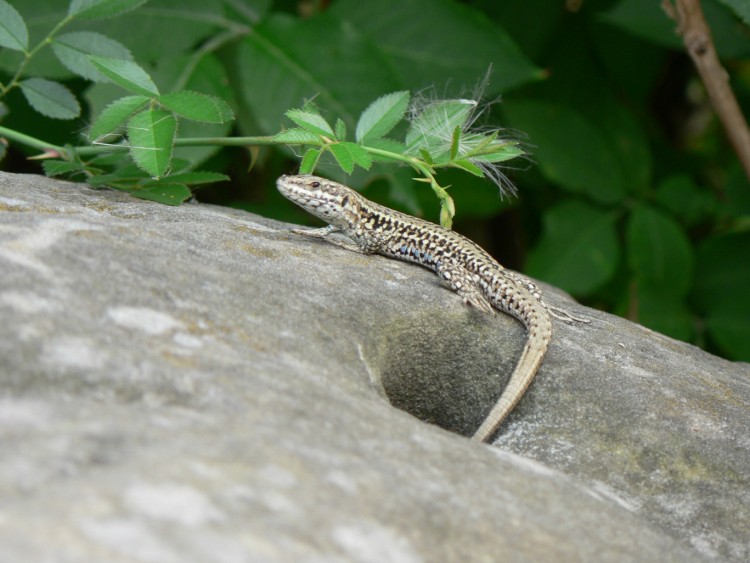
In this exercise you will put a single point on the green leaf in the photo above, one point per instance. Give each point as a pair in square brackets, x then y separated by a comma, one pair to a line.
[571, 150]
[312, 122]
[360, 156]
[73, 50]
[197, 106]
[645, 19]
[724, 276]
[115, 115]
[578, 250]
[13, 32]
[430, 42]
[127, 75]
[740, 7]
[432, 128]
[197, 177]
[469, 167]
[381, 116]
[309, 161]
[296, 59]
[455, 140]
[659, 251]
[349, 154]
[684, 199]
[167, 193]
[151, 134]
[340, 130]
[50, 98]
[343, 156]
[61, 167]
[729, 325]
[297, 136]
[663, 311]
[97, 9]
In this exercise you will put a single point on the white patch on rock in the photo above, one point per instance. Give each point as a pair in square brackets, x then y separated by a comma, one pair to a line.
[172, 503]
[144, 319]
[74, 352]
[22, 251]
[371, 542]
[131, 539]
[27, 302]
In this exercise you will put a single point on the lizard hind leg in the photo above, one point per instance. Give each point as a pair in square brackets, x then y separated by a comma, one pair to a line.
[464, 284]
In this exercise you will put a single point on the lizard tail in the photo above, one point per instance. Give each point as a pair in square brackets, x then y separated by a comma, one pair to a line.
[539, 337]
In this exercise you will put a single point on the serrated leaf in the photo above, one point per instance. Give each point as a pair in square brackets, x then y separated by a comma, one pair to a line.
[309, 161]
[310, 121]
[98, 9]
[115, 115]
[578, 250]
[73, 50]
[340, 130]
[381, 116]
[167, 193]
[659, 251]
[297, 136]
[50, 98]
[197, 106]
[343, 157]
[349, 154]
[13, 32]
[151, 134]
[126, 74]
[60, 167]
[197, 177]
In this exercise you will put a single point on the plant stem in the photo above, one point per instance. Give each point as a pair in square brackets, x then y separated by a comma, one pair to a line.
[697, 38]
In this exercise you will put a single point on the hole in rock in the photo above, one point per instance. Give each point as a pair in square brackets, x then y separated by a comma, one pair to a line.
[444, 374]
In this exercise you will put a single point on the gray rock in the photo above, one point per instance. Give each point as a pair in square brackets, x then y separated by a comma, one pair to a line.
[199, 384]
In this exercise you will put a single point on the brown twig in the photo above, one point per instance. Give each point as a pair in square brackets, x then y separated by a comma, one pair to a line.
[696, 35]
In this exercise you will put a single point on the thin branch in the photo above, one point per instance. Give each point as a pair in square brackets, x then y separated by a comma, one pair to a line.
[696, 35]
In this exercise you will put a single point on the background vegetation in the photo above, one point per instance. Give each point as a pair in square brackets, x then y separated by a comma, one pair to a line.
[631, 199]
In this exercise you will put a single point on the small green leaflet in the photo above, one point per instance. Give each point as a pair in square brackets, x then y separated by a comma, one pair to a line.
[197, 106]
[167, 193]
[73, 50]
[349, 154]
[297, 136]
[151, 135]
[51, 99]
[13, 32]
[127, 75]
[381, 116]
[309, 161]
[115, 115]
[97, 9]
[312, 122]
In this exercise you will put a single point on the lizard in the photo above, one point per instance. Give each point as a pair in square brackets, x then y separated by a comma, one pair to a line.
[461, 265]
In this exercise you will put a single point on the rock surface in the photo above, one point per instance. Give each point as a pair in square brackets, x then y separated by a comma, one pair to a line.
[199, 384]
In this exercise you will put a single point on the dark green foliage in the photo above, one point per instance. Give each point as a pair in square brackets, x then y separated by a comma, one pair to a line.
[630, 198]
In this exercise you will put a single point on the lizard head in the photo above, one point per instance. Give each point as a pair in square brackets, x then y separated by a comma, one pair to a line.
[333, 202]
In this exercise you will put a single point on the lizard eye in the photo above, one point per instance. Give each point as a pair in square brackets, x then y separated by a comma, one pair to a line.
[315, 184]
[345, 200]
